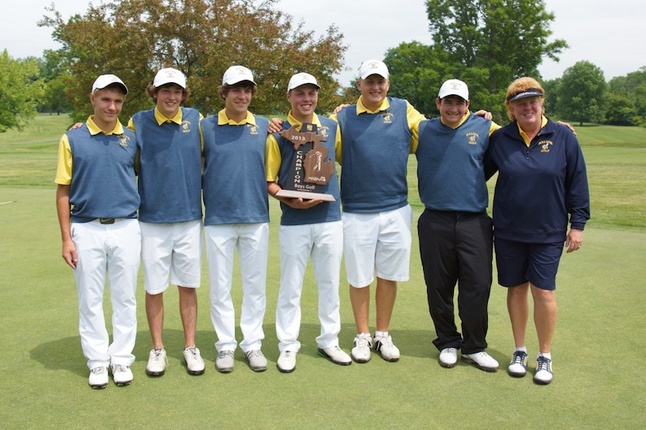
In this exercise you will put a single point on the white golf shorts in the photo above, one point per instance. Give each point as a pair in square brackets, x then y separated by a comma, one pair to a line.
[172, 252]
[377, 244]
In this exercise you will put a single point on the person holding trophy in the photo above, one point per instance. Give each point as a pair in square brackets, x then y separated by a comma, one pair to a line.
[301, 174]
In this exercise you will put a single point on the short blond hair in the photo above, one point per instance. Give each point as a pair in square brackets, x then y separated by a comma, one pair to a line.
[521, 85]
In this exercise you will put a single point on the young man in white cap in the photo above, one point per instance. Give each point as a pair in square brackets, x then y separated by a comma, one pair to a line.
[309, 228]
[378, 133]
[455, 232]
[170, 178]
[236, 217]
[96, 202]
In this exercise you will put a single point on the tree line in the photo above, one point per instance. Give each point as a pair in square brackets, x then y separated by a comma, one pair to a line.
[486, 43]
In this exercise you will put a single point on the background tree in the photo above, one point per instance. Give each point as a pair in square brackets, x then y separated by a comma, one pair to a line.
[635, 91]
[350, 93]
[416, 74]
[202, 38]
[582, 93]
[621, 108]
[20, 89]
[486, 43]
[509, 37]
[57, 80]
[418, 71]
[551, 88]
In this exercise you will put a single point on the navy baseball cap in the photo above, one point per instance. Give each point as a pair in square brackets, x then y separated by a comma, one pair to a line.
[530, 92]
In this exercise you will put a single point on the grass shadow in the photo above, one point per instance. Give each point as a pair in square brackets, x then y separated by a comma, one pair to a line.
[56, 355]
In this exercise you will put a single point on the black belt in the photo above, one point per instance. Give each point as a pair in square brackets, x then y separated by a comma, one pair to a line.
[106, 220]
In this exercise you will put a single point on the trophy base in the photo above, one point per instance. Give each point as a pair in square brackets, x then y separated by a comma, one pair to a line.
[306, 196]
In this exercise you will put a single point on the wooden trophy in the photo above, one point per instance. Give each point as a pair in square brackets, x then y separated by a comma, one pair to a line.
[311, 171]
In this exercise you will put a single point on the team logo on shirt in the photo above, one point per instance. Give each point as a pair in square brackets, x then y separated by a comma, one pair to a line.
[545, 145]
[473, 137]
[387, 117]
[123, 140]
[186, 126]
[252, 129]
[323, 131]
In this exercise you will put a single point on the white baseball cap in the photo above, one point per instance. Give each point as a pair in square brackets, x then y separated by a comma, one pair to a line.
[302, 79]
[373, 67]
[169, 76]
[454, 87]
[235, 74]
[106, 80]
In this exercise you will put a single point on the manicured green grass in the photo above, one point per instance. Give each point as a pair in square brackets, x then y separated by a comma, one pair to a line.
[597, 347]
[616, 161]
[28, 158]
[610, 135]
[44, 128]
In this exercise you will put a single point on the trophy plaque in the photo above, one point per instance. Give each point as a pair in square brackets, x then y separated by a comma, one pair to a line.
[311, 170]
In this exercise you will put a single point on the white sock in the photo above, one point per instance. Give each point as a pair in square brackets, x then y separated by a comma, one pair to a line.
[547, 355]
[522, 348]
[381, 333]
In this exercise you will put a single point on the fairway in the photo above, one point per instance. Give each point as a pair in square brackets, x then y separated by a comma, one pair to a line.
[597, 381]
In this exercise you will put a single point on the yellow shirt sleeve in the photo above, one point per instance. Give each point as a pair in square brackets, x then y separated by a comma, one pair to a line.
[272, 158]
[131, 127]
[493, 127]
[199, 129]
[338, 145]
[64, 168]
[414, 118]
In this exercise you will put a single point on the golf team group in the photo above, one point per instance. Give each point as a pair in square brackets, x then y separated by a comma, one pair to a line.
[171, 182]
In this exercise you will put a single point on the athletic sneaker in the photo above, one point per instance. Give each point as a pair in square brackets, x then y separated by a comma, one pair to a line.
[544, 372]
[335, 355]
[224, 362]
[386, 348]
[256, 359]
[361, 348]
[482, 360]
[98, 377]
[448, 357]
[193, 360]
[157, 362]
[122, 375]
[518, 365]
[286, 361]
